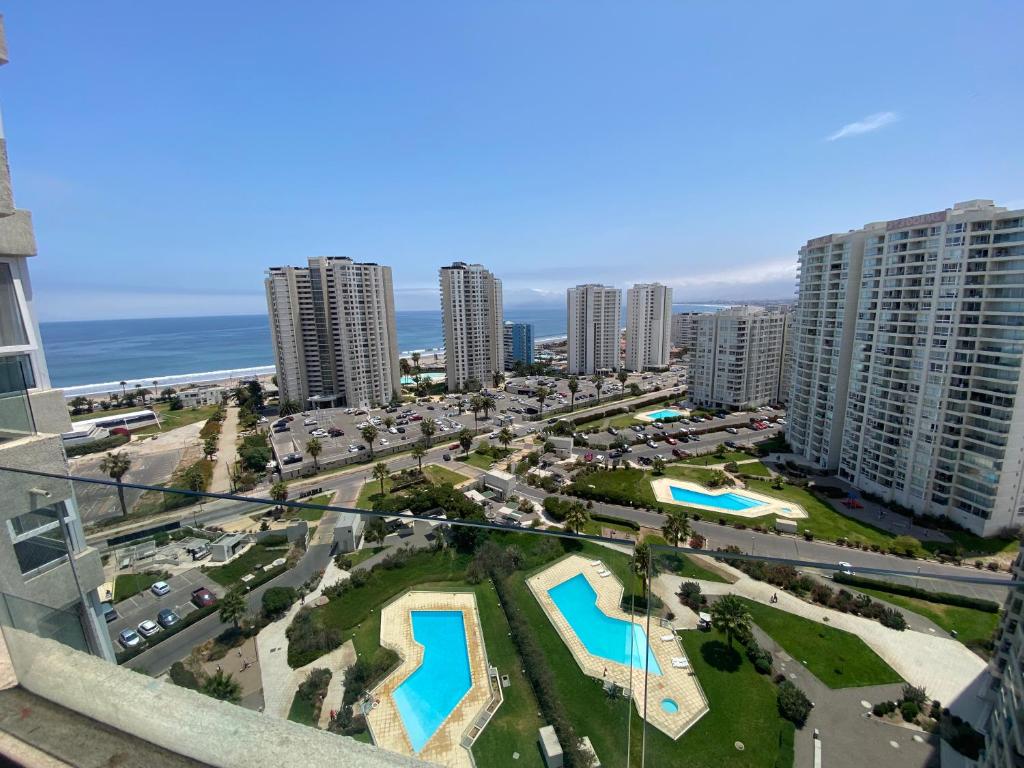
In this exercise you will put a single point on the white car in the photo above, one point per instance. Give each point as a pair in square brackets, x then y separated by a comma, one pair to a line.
[383, 441]
[393, 430]
[148, 628]
[781, 422]
[845, 568]
[160, 588]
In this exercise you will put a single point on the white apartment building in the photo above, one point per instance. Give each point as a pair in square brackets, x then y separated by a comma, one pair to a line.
[737, 359]
[648, 326]
[909, 339]
[48, 575]
[332, 324]
[684, 330]
[1004, 733]
[473, 320]
[594, 314]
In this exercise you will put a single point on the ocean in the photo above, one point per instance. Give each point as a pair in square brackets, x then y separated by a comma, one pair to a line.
[93, 356]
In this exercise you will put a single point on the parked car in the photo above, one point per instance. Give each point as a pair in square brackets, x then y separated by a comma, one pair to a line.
[110, 613]
[732, 430]
[447, 457]
[846, 568]
[148, 628]
[167, 618]
[651, 444]
[335, 432]
[160, 588]
[129, 638]
[677, 453]
[202, 597]
[671, 440]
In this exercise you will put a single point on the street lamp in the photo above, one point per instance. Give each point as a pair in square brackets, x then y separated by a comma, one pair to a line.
[753, 544]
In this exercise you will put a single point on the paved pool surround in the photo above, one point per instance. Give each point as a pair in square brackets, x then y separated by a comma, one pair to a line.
[445, 746]
[680, 685]
[760, 504]
[660, 414]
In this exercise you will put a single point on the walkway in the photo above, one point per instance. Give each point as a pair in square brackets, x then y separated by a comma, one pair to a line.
[945, 668]
[227, 451]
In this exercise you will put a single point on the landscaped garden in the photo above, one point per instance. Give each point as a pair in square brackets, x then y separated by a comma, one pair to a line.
[251, 561]
[433, 474]
[128, 584]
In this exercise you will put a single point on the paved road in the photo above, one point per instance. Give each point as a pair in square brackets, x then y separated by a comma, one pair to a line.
[158, 659]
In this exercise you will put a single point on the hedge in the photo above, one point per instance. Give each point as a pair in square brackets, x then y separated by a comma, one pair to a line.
[103, 444]
[905, 590]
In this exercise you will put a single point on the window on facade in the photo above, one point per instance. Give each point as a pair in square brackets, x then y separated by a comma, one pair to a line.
[37, 538]
[12, 326]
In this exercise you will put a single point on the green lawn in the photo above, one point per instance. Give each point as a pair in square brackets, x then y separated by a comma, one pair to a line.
[711, 458]
[309, 515]
[174, 419]
[362, 554]
[622, 421]
[434, 473]
[975, 546]
[837, 658]
[128, 584]
[480, 460]
[667, 561]
[256, 556]
[303, 711]
[753, 468]
[974, 628]
[437, 474]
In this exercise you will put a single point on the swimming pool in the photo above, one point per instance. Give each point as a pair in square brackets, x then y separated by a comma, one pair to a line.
[664, 413]
[728, 501]
[602, 635]
[432, 378]
[428, 695]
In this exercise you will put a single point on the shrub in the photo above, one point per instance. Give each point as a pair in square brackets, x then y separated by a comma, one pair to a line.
[277, 601]
[916, 694]
[793, 703]
[103, 444]
[759, 657]
[907, 590]
[883, 708]
[315, 684]
[690, 595]
[310, 638]
[905, 545]
[181, 675]
[909, 710]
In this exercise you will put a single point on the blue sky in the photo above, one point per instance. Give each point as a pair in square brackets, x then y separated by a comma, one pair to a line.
[170, 152]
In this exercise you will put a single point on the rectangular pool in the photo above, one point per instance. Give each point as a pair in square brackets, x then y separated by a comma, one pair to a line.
[602, 635]
[664, 413]
[731, 502]
[428, 695]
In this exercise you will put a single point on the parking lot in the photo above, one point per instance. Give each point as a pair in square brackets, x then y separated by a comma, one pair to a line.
[145, 605]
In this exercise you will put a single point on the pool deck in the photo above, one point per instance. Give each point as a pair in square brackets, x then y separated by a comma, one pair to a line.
[445, 747]
[680, 685]
[646, 416]
[662, 487]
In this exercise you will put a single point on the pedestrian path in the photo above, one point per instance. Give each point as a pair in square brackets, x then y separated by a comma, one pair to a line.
[226, 452]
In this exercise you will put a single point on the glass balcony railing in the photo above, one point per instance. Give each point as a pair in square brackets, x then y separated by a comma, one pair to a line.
[16, 419]
[486, 625]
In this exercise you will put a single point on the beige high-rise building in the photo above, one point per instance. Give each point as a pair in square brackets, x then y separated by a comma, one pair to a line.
[1004, 733]
[473, 320]
[332, 324]
[48, 575]
[594, 317]
[648, 326]
[907, 376]
[737, 360]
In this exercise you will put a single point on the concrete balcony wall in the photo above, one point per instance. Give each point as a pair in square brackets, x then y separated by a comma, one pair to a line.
[16, 235]
[49, 411]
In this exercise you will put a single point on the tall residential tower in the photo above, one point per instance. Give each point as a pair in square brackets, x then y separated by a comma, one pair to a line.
[332, 324]
[648, 326]
[474, 334]
[594, 314]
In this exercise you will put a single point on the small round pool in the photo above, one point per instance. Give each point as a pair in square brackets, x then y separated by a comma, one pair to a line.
[670, 706]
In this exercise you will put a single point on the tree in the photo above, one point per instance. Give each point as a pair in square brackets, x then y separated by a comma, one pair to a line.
[675, 527]
[193, 478]
[279, 493]
[369, 434]
[574, 387]
[389, 422]
[404, 367]
[729, 615]
[124, 393]
[210, 446]
[141, 392]
[167, 393]
[380, 472]
[542, 394]
[598, 382]
[376, 530]
[622, 375]
[222, 686]
[506, 436]
[418, 452]
[416, 361]
[175, 404]
[793, 703]
[476, 404]
[428, 428]
[465, 440]
[485, 405]
[116, 466]
[314, 448]
[288, 407]
[641, 561]
[79, 405]
[277, 601]
[472, 385]
[232, 606]
[658, 465]
[576, 516]
[498, 378]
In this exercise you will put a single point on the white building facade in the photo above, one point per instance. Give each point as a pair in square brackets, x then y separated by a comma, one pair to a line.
[648, 327]
[737, 360]
[594, 314]
[684, 330]
[332, 324]
[473, 321]
[908, 349]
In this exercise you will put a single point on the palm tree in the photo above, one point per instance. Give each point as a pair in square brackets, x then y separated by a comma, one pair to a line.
[675, 527]
[428, 428]
[574, 387]
[641, 561]
[389, 422]
[380, 472]
[416, 361]
[465, 440]
[622, 375]
[576, 516]
[506, 436]
[485, 405]
[116, 466]
[279, 493]
[222, 686]
[376, 531]
[497, 378]
[475, 405]
[232, 606]
[598, 382]
[140, 392]
[541, 393]
[314, 448]
[124, 393]
[369, 434]
[418, 452]
[729, 615]
[403, 366]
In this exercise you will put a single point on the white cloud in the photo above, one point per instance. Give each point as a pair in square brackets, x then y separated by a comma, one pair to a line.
[867, 125]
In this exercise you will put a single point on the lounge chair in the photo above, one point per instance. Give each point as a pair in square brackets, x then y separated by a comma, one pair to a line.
[668, 638]
[680, 662]
[596, 563]
[604, 573]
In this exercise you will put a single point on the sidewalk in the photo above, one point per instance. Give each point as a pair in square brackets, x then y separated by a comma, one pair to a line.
[227, 452]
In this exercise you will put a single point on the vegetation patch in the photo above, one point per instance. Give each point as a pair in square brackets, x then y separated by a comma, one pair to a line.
[251, 561]
[128, 584]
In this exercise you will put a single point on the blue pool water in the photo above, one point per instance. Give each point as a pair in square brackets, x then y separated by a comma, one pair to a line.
[670, 706]
[602, 635]
[732, 502]
[430, 693]
[664, 413]
[431, 377]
